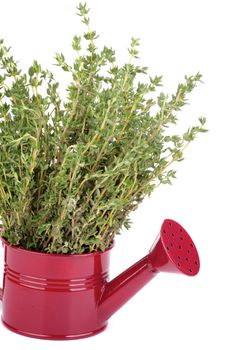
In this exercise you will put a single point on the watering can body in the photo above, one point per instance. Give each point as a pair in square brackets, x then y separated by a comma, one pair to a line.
[54, 296]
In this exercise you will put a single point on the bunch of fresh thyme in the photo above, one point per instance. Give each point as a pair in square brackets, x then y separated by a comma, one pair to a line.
[72, 171]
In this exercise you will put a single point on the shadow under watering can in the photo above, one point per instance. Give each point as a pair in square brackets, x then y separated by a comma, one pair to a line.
[54, 296]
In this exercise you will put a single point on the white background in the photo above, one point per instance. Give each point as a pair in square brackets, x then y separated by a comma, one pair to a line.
[177, 38]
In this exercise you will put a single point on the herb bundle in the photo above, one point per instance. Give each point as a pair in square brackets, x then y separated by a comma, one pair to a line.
[72, 171]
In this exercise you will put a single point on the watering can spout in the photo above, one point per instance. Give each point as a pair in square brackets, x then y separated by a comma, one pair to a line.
[172, 251]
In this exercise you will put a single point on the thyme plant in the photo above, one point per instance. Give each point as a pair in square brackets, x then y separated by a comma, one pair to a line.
[72, 171]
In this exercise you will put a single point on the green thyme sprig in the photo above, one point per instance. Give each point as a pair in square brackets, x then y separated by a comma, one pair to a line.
[72, 171]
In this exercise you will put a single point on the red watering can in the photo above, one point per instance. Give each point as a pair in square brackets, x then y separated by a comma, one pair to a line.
[54, 296]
